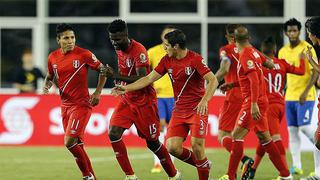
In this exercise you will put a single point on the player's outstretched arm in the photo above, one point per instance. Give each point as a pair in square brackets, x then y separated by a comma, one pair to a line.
[312, 60]
[95, 97]
[297, 70]
[47, 83]
[139, 84]
[212, 84]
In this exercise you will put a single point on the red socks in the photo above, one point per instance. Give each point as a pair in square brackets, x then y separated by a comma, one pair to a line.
[80, 157]
[165, 161]
[276, 159]
[282, 152]
[203, 167]
[188, 157]
[226, 142]
[88, 160]
[235, 158]
[122, 156]
[258, 157]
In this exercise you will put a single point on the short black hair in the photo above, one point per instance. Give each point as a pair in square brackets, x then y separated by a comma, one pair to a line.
[269, 45]
[231, 27]
[118, 25]
[62, 28]
[292, 22]
[313, 26]
[176, 37]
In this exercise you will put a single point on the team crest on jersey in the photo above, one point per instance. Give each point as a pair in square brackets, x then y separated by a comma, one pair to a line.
[76, 63]
[143, 58]
[188, 70]
[250, 64]
[129, 62]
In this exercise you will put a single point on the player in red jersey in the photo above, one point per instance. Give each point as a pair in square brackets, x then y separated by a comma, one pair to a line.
[313, 30]
[275, 79]
[229, 56]
[188, 73]
[253, 112]
[137, 107]
[68, 69]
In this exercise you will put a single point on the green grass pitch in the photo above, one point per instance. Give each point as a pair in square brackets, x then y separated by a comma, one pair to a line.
[46, 163]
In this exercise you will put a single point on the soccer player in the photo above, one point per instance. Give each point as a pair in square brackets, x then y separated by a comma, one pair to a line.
[253, 112]
[164, 92]
[300, 93]
[229, 56]
[188, 73]
[313, 30]
[68, 69]
[275, 79]
[137, 107]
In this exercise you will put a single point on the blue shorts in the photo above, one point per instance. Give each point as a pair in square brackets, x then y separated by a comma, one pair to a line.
[165, 106]
[297, 114]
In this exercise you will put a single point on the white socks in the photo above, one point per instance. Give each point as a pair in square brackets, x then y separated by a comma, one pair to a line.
[308, 131]
[294, 145]
[316, 154]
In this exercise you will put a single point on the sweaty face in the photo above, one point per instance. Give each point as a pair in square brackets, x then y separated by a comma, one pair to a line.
[293, 33]
[168, 48]
[119, 40]
[312, 38]
[67, 41]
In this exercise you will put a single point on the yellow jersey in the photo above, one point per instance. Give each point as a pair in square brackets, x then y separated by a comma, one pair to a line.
[297, 84]
[162, 86]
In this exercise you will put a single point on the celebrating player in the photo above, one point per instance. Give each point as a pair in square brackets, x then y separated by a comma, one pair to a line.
[253, 112]
[68, 69]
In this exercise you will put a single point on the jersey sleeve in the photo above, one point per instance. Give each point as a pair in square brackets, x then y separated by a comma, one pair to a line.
[151, 58]
[91, 60]
[224, 55]
[247, 63]
[50, 69]
[201, 66]
[140, 57]
[280, 54]
[295, 70]
[161, 68]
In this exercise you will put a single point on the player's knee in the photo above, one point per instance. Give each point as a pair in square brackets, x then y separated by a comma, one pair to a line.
[276, 137]
[153, 145]
[197, 148]
[114, 135]
[263, 137]
[174, 149]
[70, 141]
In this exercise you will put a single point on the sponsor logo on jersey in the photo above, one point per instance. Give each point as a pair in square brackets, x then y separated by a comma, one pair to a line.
[94, 58]
[76, 63]
[188, 70]
[143, 58]
[250, 64]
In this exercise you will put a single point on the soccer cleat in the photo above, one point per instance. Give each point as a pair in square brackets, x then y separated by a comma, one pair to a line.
[312, 176]
[91, 177]
[224, 177]
[156, 168]
[246, 168]
[178, 176]
[295, 170]
[252, 173]
[131, 177]
[284, 178]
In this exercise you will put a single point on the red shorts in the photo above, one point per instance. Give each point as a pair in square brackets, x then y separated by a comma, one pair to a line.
[228, 115]
[245, 119]
[275, 114]
[180, 126]
[75, 120]
[145, 118]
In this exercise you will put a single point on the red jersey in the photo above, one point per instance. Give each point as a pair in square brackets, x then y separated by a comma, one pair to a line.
[134, 57]
[70, 71]
[231, 54]
[276, 78]
[251, 61]
[186, 76]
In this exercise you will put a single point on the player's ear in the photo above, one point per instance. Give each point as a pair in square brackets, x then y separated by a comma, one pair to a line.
[58, 40]
[176, 46]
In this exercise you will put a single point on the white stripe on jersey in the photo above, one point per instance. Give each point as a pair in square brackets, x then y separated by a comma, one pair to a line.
[64, 87]
[184, 86]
